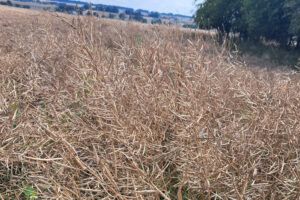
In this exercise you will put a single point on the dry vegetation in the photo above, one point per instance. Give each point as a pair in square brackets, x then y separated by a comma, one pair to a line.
[101, 109]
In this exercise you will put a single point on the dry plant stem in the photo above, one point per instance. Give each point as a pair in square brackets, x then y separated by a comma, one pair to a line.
[102, 109]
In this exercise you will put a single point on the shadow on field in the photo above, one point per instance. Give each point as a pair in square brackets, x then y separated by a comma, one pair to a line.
[278, 56]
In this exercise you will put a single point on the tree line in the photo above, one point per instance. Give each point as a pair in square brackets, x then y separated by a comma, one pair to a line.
[9, 3]
[276, 20]
[113, 12]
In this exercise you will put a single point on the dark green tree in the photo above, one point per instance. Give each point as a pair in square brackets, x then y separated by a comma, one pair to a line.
[111, 16]
[156, 21]
[122, 16]
[9, 3]
[87, 6]
[265, 18]
[292, 11]
[224, 15]
[277, 20]
[95, 14]
[154, 15]
[139, 17]
[88, 13]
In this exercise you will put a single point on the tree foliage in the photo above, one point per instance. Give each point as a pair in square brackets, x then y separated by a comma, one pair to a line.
[139, 17]
[277, 20]
[211, 14]
[266, 18]
[292, 11]
[154, 15]
[122, 16]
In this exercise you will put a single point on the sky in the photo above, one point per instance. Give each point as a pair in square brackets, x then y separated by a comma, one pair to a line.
[184, 7]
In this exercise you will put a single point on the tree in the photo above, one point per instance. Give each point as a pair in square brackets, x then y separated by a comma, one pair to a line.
[277, 20]
[79, 10]
[154, 15]
[144, 21]
[224, 15]
[65, 8]
[292, 11]
[88, 13]
[156, 21]
[112, 9]
[86, 6]
[8, 3]
[95, 14]
[111, 16]
[122, 16]
[265, 18]
[138, 16]
[129, 11]
[99, 8]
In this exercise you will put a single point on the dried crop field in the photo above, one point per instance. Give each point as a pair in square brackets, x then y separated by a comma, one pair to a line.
[103, 109]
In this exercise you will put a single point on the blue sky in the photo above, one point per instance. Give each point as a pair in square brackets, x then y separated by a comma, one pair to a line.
[185, 7]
